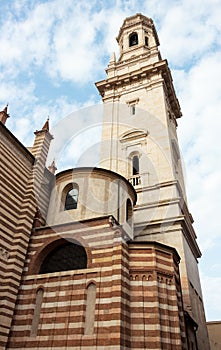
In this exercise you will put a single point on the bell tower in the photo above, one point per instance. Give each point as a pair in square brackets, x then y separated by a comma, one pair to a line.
[138, 38]
[139, 141]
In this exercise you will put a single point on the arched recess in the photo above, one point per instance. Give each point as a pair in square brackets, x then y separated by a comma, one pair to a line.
[65, 257]
[133, 39]
[134, 168]
[49, 245]
[90, 309]
[135, 165]
[37, 312]
[129, 212]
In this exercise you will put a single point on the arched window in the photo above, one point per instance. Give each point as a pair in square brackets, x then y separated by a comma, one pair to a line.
[68, 256]
[133, 39]
[135, 164]
[71, 200]
[129, 211]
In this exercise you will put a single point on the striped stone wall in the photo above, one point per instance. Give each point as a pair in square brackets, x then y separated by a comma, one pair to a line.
[20, 172]
[137, 301]
[41, 175]
[17, 208]
[157, 319]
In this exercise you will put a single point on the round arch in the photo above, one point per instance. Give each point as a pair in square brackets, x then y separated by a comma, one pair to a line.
[133, 39]
[69, 197]
[48, 248]
[65, 257]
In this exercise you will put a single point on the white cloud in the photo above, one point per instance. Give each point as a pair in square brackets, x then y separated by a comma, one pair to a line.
[189, 29]
[77, 153]
[28, 113]
[200, 89]
[211, 294]
[25, 41]
[61, 40]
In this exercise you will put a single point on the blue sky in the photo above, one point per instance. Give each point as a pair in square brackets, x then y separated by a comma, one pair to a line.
[53, 51]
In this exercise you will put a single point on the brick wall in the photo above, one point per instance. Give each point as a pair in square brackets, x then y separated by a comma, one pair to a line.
[138, 301]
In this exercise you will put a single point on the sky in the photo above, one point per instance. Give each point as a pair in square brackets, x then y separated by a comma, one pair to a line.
[52, 52]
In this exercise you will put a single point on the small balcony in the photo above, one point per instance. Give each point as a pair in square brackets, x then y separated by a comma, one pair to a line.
[135, 180]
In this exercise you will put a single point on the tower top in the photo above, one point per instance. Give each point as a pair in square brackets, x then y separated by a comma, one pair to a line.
[137, 36]
[45, 128]
[132, 22]
[52, 167]
[4, 114]
[46, 125]
[139, 66]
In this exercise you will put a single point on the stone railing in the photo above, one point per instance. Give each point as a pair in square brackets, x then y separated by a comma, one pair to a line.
[135, 180]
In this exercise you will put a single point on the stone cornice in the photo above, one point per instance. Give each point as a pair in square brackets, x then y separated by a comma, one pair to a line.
[190, 236]
[144, 73]
[184, 221]
[93, 224]
[153, 245]
[173, 224]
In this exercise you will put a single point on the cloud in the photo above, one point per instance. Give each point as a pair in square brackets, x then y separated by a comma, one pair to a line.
[200, 91]
[74, 135]
[28, 112]
[25, 40]
[211, 294]
[190, 29]
[74, 153]
[61, 40]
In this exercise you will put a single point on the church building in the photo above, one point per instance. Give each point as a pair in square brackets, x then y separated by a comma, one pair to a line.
[104, 257]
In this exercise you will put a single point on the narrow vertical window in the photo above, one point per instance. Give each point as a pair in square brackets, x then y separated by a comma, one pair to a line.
[129, 212]
[132, 109]
[90, 309]
[71, 200]
[135, 164]
[146, 40]
[37, 312]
